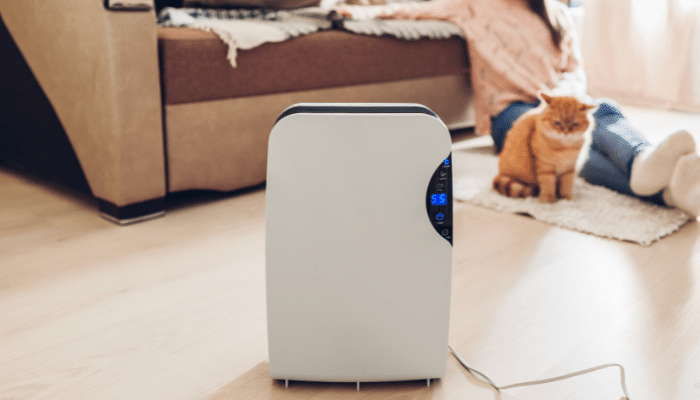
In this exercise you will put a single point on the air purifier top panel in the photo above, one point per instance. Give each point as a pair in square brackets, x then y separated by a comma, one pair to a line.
[355, 108]
[358, 243]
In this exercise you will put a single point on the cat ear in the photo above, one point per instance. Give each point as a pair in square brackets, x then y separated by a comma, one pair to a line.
[586, 107]
[547, 98]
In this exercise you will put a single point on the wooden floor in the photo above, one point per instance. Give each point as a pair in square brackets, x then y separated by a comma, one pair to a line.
[174, 308]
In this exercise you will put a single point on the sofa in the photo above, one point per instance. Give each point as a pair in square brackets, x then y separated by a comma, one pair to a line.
[96, 97]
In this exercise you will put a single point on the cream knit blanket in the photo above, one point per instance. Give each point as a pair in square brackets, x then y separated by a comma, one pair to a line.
[365, 22]
[246, 29]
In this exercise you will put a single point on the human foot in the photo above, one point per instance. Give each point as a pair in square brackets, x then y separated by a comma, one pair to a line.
[683, 191]
[652, 167]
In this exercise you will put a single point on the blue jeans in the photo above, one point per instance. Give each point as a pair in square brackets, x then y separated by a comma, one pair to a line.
[614, 145]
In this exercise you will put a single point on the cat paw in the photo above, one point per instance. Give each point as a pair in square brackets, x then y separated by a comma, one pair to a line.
[519, 190]
[509, 187]
[547, 198]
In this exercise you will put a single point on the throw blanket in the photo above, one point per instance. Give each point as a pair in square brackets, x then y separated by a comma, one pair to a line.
[366, 23]
[246, 28]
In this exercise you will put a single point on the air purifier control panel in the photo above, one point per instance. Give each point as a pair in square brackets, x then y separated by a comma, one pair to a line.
[439, 199]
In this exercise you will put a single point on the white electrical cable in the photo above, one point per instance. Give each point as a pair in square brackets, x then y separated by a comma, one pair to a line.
[539, 382]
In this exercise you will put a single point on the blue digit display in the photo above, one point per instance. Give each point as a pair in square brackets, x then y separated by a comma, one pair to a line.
[438, 199]
[447, 161]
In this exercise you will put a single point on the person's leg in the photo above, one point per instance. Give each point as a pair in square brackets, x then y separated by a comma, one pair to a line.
[652, 167]
[501, 124]
[614, 144]
[600, 170]
[614, 138]
[647, 168]
[684, 190]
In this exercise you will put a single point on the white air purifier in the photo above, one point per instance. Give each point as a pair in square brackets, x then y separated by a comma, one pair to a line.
[358, 243]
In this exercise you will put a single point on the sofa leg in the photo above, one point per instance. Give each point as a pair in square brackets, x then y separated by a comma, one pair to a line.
[132, 213]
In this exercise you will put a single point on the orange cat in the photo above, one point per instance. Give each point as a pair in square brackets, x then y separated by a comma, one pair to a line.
[540, 151]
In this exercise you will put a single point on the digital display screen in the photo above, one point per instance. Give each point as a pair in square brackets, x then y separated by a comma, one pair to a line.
[447, 161]
[439, 199]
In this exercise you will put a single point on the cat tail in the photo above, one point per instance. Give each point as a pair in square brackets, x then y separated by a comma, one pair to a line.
[511, 187]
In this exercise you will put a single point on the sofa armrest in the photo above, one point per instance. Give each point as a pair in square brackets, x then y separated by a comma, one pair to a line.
[99, 70]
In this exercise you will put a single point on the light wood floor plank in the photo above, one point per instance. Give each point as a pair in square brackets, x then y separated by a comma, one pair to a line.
[174, 308]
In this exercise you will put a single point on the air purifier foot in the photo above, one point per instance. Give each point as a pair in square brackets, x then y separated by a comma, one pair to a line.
[286, 383]
[428, 381]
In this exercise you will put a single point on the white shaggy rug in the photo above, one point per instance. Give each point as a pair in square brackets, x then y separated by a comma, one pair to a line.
[595, 210]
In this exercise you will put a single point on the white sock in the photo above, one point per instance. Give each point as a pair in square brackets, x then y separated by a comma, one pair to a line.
[653, 166]
[683, 191]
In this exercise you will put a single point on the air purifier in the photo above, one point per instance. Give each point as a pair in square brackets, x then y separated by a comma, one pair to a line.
[358, 243]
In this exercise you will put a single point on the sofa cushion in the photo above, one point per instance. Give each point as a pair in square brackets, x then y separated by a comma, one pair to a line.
[194, 67]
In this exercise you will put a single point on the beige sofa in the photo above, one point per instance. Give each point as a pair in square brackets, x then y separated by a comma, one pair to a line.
[141, 111]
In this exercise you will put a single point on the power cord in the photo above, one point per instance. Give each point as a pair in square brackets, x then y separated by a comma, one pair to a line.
[539, 382]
